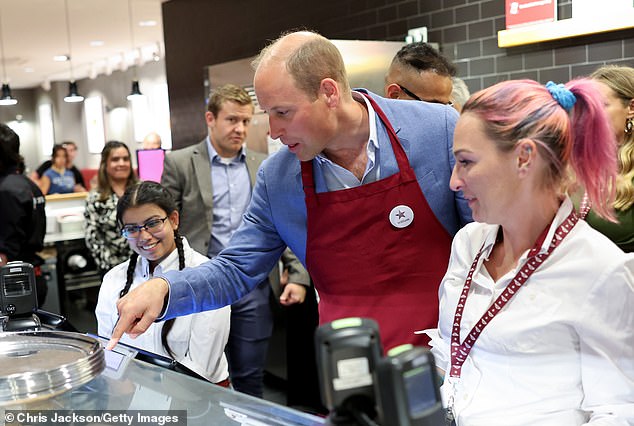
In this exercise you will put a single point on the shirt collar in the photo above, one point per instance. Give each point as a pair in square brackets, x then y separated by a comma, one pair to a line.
[564, 210]
[373, 141]
[214, 157]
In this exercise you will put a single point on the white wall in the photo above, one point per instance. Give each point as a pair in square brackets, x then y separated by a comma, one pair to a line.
[69, 121]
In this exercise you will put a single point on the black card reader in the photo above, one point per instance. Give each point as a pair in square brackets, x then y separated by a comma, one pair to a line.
[348, 350]
[408, 390]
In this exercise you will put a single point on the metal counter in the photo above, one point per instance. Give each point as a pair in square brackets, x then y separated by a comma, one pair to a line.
[130, 384]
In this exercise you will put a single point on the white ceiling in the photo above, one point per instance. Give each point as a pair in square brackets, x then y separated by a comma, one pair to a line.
[33, 31]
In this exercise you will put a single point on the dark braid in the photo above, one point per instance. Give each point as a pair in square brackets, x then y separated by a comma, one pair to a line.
[129, 274]
[148, 192]
[181, 265]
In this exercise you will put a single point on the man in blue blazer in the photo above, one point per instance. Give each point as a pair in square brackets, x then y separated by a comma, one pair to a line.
[211, 183]
[368, 211]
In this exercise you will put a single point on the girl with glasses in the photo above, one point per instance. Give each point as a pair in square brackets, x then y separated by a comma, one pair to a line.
[149, 222]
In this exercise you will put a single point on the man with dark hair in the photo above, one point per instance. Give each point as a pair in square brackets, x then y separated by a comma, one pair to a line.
[419, 72]
[211, 182]
[22, 216]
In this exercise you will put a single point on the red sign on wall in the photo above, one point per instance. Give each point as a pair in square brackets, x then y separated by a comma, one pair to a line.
[527, 12]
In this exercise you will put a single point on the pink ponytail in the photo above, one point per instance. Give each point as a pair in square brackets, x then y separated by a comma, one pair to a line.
[593, 154]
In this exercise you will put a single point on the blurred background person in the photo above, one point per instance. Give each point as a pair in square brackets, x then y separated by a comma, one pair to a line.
[536, 322]
[71, 151]
[149, 221]
[459, 93]
[103, 238]
[617, 86]
[152, 141]
[22, 216]
[419, 72]
[57, 179]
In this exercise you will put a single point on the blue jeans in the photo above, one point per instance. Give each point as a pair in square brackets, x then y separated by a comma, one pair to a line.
[251, 328]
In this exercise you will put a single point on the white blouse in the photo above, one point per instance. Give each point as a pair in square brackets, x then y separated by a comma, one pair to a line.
[562, 350]
[198, 340]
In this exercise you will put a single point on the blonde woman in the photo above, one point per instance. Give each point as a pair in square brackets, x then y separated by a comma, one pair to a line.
[617, 85]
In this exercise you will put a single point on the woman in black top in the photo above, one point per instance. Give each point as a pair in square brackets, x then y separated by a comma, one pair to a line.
[22, 216]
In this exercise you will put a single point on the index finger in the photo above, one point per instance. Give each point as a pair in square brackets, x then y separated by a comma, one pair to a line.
[124, 323]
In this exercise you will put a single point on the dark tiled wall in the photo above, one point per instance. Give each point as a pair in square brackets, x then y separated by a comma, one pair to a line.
[467, 33]
[206, 32]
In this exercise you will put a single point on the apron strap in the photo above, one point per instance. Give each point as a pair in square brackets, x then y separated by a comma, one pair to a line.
[307, 178]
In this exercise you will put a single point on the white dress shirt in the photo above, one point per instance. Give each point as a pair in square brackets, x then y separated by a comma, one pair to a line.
[337, 177]
[198, 340]
[561, 352]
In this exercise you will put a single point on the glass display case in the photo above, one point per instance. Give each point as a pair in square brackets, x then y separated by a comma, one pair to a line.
[130, 384]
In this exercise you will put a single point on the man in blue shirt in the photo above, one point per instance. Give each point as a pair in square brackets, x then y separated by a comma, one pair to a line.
[211, 183]
[367, 207]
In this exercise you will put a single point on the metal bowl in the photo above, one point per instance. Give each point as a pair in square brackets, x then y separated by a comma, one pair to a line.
[41, 364]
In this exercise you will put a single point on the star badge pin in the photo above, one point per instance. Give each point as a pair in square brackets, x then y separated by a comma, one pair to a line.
[401, 216]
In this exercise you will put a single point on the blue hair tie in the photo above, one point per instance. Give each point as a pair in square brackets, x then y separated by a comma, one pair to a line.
[562, 95]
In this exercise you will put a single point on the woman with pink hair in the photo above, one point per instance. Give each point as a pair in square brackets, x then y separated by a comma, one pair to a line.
[536, 322]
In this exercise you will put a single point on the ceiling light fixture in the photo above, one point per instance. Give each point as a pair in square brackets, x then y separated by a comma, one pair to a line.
[5, 98]
[73, 94]
[136, 91]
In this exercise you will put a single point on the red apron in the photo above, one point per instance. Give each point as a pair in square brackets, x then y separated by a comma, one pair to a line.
[362, 265]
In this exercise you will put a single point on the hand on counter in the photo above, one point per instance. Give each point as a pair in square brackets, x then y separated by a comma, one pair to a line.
[292, 294]
[138, 309]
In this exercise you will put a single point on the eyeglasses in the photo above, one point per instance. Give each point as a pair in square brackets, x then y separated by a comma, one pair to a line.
[409, 93]
[417, 98]
[152, 226]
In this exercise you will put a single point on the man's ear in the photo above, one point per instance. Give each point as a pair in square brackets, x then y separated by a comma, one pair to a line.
[329, 89]
[209, 118]
[392, 91]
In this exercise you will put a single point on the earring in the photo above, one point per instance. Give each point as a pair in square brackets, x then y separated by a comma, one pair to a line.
[629, 126]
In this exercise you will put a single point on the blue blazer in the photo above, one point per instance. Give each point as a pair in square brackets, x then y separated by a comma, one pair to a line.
[276, 216]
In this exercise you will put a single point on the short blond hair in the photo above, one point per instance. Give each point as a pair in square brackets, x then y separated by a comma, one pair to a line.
[312, 61]
[227, 92]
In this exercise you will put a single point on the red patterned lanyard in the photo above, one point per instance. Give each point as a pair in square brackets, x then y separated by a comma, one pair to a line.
[459, 352]
[585, 206]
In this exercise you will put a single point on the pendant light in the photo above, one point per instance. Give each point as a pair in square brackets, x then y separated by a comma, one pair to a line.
[73, 94]
[136, 91]
[5, 98]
